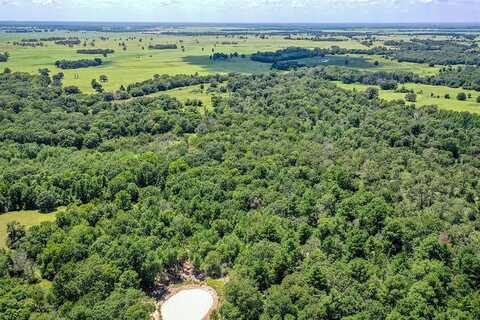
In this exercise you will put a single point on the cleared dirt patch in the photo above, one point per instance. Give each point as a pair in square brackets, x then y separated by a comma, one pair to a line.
[189, 303]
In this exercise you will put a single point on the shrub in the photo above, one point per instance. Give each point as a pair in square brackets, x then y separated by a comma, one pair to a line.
[461, 96]
[411, 97]
[71, 90]
[371, 93]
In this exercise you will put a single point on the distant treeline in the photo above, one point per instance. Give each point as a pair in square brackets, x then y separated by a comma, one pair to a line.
[55, 39]
[467, 77]
[69, 42]
[317, 39]
[29, 40]
[457, 77]
[23, 30]
[77, 64]
[443, 52]
[162, 46]
[292, 53]
[295, 53]
[95, 51]
[30, 43]
[47, 39]
[225, 56]
[418, 51]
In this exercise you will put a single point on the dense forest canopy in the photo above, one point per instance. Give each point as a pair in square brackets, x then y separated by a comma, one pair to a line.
[318, 203]
[292, 53]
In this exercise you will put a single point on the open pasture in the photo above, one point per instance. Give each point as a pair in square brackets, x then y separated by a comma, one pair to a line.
[138, 62]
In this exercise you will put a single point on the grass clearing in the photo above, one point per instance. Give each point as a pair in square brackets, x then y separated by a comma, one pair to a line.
[393, 65]
[424, 97]
[189, 93]
[139, 63]
[26, 218]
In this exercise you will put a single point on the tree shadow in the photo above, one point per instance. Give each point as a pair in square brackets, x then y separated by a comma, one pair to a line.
[240, 65]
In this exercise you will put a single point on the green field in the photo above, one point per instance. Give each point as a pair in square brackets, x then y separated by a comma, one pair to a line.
[26, 218]
[424, 96]
[189, 93]
[137, 64]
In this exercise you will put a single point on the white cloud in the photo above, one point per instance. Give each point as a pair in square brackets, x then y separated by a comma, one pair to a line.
[46, 2]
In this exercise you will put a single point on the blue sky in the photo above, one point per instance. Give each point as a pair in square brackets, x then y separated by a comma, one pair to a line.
[243, 10]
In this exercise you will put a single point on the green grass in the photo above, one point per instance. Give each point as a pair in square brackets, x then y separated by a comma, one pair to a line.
[26, 218]
[189, 93]
[135, 64]
[219, 286]
[424, 96]
[240, 65]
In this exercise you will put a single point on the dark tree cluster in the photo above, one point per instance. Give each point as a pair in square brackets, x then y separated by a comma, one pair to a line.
[225, 56]
[56, 39]
[28, 43]
[317, 38]
[77, 64]
[162, 46]
[291, 53]
[29, 40]
[4, 57]
[166, 82]
[96, 51]
[69, 42]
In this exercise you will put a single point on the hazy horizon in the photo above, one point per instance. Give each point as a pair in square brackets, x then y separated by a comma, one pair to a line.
[248, 11]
